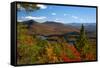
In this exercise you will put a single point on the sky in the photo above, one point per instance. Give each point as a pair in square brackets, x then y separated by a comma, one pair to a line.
[62, 14]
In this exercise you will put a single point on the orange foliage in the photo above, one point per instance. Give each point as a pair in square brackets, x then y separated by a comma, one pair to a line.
[89, 56]
[75, 52]
[64, 57]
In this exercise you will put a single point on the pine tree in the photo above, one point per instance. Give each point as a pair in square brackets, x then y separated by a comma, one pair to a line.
[82, 43]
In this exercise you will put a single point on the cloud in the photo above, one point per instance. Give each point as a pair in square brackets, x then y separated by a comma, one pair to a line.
[19, 20]
[78, 18]
[65, 14]
[81, 19]
[41, 6]
[53, 13]
[57, 20]
[75, 17]
[31, 17]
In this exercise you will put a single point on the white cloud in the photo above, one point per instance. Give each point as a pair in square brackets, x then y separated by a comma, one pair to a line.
[53, 13]
[81, 19]
[41, 6]
[31, 17]
[57, 20]
[75, 17]
[20, 21]
[65, 14]
[78, 18]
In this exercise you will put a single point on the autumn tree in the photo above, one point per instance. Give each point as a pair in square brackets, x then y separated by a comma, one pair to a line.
[82, 43]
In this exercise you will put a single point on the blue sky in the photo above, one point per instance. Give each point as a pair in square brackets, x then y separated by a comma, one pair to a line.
[63, 14]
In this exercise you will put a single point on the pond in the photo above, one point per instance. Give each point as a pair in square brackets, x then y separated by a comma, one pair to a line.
[71, 37]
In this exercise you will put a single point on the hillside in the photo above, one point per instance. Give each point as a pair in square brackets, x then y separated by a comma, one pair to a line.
[48, 42]
[49, 27]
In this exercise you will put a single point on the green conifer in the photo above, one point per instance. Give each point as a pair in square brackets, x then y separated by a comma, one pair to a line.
[82, 43]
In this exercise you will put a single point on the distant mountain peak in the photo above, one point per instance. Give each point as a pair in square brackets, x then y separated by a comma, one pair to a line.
[52, 22]
[30, 22]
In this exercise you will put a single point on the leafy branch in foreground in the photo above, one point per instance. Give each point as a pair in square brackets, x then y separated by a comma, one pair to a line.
[27, 7]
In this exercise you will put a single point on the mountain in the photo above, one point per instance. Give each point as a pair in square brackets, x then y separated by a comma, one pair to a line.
[91, 27]
[29, 22]
[52, 23]
[50, 27]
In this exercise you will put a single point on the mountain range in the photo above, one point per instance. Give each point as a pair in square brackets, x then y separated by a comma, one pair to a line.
[49, 27]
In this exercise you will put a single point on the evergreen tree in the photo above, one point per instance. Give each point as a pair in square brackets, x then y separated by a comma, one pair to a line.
[82, 43]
